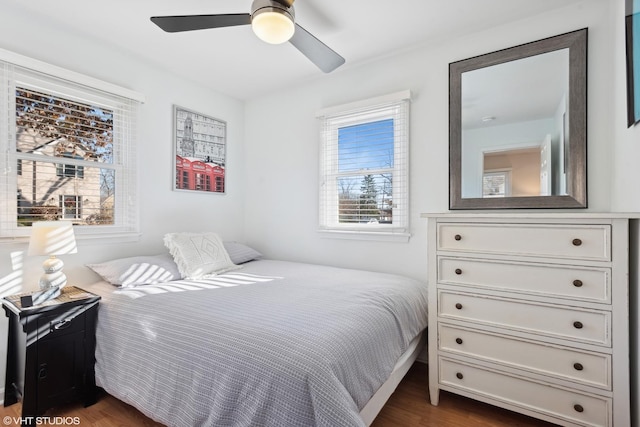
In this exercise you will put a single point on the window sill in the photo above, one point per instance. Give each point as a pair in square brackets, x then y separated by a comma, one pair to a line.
[381, 236]
[114, 237]
[91, 238]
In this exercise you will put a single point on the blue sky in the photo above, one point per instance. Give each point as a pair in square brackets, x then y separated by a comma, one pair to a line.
[366, 146]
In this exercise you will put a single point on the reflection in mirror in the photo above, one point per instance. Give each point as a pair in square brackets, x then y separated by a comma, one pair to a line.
[513, 173]
[501, 124]
[518, 126]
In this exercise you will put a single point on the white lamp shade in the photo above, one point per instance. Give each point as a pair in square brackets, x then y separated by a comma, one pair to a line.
[52, 238]
[272, 27]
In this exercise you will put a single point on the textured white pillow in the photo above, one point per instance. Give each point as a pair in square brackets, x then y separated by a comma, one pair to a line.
[240, 253]
[138, 270]
[198, 254]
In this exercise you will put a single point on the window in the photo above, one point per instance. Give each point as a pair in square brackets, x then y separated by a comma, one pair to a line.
[71, 207]
[185, 179]
[67, 141]
[364, 169]
[68, 171]
[496, 183]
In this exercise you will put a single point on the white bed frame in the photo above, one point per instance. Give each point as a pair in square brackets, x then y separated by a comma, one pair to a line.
[378, 400]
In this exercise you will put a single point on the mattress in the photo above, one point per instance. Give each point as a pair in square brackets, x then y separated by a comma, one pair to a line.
[272, 344]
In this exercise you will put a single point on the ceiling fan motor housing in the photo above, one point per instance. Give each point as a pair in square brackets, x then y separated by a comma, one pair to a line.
[262, 6]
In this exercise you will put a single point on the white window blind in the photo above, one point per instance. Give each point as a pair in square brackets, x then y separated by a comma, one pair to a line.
[68, 152]
[364, 166]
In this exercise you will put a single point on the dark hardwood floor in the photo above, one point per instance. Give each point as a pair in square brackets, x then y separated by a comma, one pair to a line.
[408, 407]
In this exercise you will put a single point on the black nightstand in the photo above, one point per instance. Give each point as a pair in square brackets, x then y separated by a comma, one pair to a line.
[50, 351]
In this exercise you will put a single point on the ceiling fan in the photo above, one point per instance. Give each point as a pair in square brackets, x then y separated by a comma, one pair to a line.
[273, 21]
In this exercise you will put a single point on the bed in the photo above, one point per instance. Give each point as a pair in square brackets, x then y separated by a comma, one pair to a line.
[273, 343]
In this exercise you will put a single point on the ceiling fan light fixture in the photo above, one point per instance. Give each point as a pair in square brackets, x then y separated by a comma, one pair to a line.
[273, 24]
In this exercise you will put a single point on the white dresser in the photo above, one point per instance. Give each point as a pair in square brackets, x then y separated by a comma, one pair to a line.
[530, 312]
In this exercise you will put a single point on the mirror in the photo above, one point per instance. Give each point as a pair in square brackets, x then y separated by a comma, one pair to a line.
[518, 126]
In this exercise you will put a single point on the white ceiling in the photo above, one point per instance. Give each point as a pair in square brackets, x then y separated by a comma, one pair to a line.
[497, 92]
[234, 62]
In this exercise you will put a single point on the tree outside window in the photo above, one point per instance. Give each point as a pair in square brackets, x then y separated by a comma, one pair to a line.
[64, 145]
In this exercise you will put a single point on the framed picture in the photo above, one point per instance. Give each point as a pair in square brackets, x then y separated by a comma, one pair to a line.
[632, 19]
[200, 151]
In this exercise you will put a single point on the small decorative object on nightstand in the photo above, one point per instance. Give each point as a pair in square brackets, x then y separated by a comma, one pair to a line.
[50, 351]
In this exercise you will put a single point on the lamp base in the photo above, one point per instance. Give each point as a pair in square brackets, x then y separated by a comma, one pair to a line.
[53, 275]
[48, 281]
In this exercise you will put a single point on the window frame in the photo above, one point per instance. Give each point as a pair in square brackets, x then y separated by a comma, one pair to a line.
[19, 71]
[393, 106]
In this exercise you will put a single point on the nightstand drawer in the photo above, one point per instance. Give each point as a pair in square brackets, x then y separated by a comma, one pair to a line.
[571, 406]
[61, 323]
[589, 242]
[588, 368]
[563, 322]
[573, 282]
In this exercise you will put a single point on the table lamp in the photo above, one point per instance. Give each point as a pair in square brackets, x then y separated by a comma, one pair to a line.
[52, 238]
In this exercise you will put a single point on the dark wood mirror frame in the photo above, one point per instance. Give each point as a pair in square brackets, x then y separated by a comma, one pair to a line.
[576, 197]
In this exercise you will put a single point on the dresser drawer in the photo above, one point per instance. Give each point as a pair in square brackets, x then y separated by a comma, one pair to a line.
[565, 404]
[576, 283]
[589, 242]
[593, 369]
[591, 326]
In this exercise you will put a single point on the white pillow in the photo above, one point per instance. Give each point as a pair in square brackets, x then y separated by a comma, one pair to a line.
[138, 270]
[198, 254]
[240, 253]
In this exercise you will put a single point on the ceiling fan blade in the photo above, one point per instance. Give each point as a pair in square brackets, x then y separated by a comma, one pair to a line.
[174, 24]
[319, 53]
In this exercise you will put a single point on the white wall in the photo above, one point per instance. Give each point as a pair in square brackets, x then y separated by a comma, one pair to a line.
[282, 141]
[161, 209]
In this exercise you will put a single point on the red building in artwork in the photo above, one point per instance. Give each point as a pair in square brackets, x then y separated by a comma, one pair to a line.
[195, 174]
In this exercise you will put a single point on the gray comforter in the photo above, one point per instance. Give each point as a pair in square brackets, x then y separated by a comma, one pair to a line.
[272, 344]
